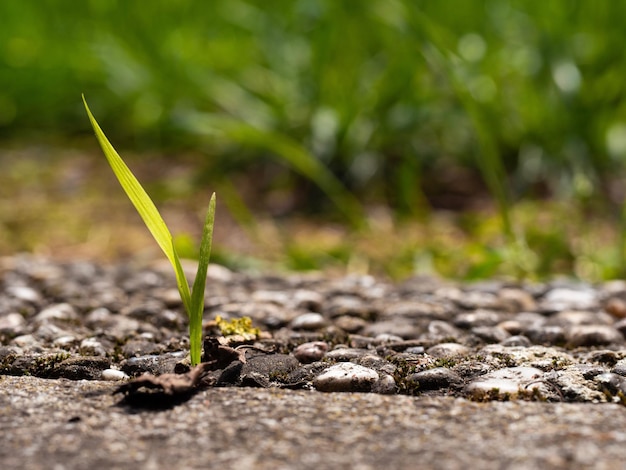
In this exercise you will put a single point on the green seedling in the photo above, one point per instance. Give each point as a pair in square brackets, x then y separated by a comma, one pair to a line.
[193, 300]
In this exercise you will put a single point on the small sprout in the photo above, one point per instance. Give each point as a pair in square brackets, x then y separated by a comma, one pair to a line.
[193, 299]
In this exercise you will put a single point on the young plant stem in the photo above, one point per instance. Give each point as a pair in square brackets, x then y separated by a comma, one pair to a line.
[193, 300]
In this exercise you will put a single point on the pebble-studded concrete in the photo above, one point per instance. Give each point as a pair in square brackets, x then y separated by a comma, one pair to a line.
[561, 341]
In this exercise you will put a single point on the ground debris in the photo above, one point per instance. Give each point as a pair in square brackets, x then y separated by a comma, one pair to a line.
[168, 390]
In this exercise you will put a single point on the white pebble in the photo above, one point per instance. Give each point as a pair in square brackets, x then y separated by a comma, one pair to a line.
[346, 377]
[113, 374]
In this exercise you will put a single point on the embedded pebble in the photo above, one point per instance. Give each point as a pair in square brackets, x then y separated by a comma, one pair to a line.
[308, 300]
[24, 293]
[491, 334]
[308, 321]
[28, 342]
[563, 298]
[271, 296]
[504, 383]
[546, 335]
[113, 375]
[12, 324]
[346, 377]
[448, 350]
[516, 300]
[385, 385]
[476, 319]
[400, 327]
[345, 354]
[612, 384]
[418, 309]
[92, 347]
[63, 312]
[81, 368]
[518, 340]
[154, 364]
[593, 335]
[310, 352]
[435, 379]
[442, 329]
[349, 305]
[620, 367]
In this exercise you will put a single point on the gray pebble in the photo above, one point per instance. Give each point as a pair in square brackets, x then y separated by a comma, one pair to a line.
[418, 309]
[415, 350]
[573, 318]
[516, 300]
[92, 347]
[350, 324]
[12, 324]
[27, 342]
[385, 385]
[442, 329]
[403, 328]
[81, 368]
[62, 312]
[24, 293]
[477, 318]
[346, 377]
[505, 383]
[436, 378]
[308, 321]
[216, 272]
[140, 347]
[447, 350]
[271, 296]
[621, 326]
[65, 342]
[345, 354]
[478, 300]
[620, 367]
[154, 364]
[50, 332]
[304, 299]
[613, 385]
[518, 340]
[546, 335]
[491, 334]
[563, 298]
[310, 352]
[593, 335]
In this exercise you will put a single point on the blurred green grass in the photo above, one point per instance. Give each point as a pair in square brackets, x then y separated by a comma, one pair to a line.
[328, 109]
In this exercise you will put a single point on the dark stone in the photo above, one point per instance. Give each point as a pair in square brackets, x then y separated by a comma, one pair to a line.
[437, 378]
[154, 364]
[81, 368]
[137, 348]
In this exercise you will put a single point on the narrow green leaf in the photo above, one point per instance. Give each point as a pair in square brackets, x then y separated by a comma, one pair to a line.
[135, 191]
[199, 284]
[145, 207]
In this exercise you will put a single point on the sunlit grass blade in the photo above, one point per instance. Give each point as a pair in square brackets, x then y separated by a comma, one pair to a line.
[197, 291]
[193, 301]
[137, 195]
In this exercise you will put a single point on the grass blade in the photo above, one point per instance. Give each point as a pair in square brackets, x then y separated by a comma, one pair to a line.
[135, 192]
[199, 283]
[157, 227]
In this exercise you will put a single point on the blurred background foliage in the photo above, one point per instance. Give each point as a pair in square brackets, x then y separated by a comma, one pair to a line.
[433, 134]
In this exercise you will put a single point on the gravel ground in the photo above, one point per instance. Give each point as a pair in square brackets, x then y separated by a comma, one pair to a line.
[433, 373]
